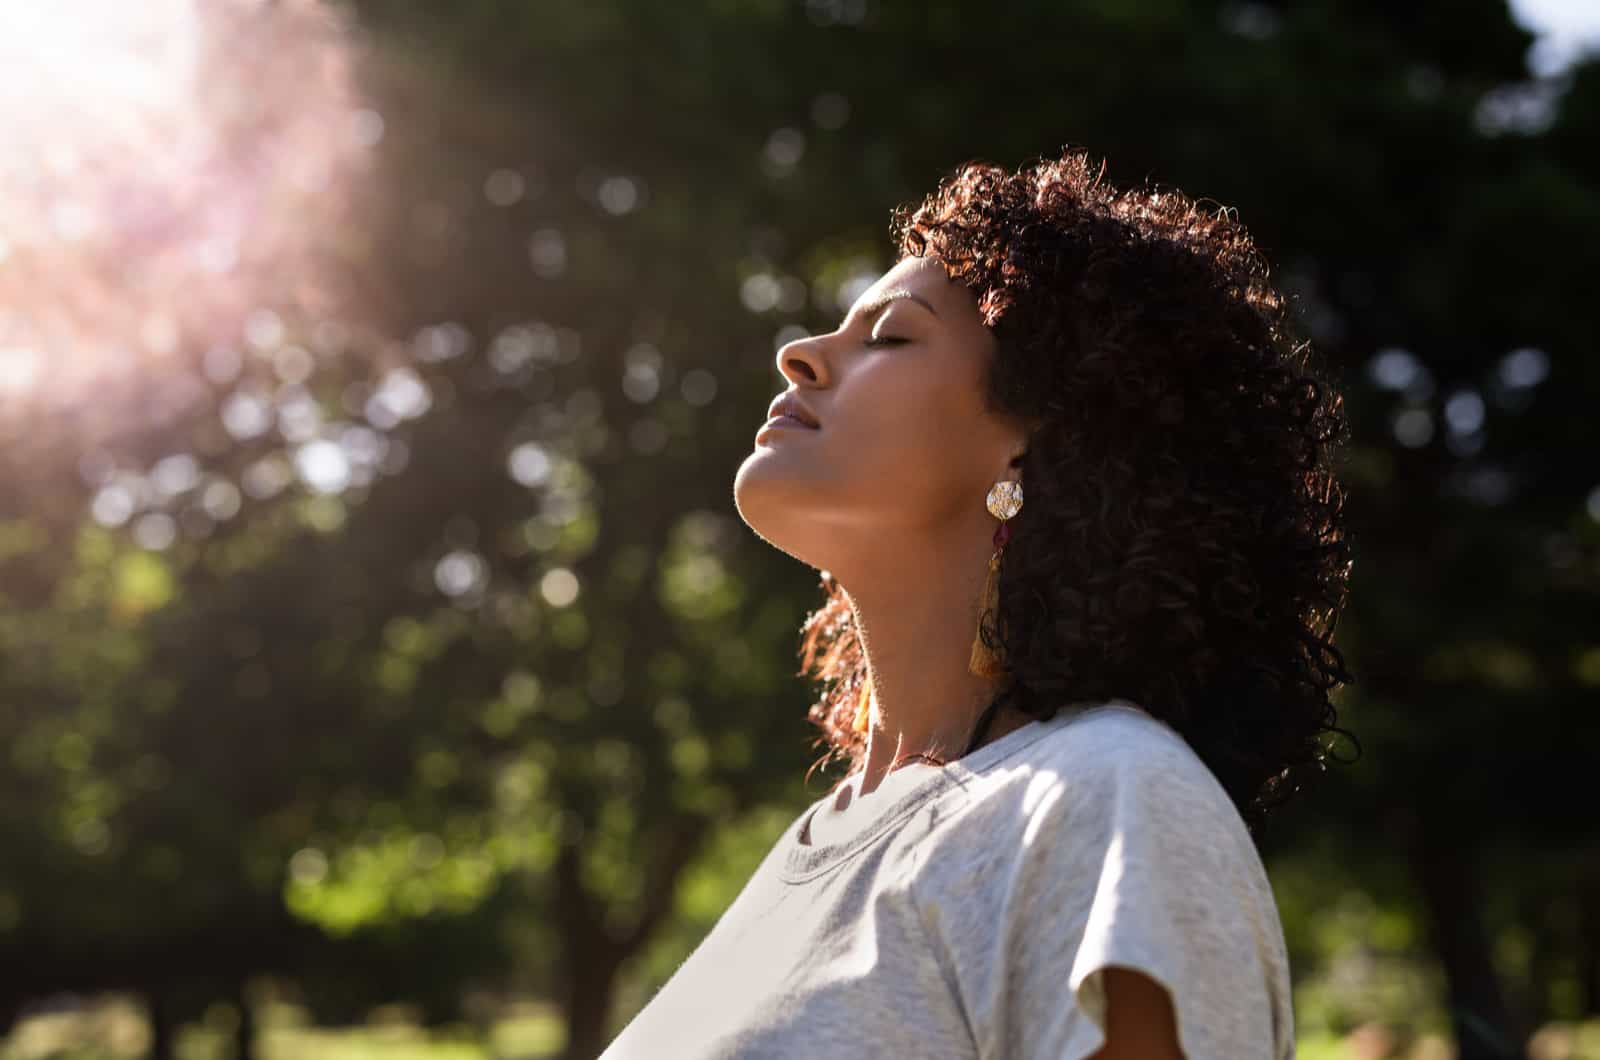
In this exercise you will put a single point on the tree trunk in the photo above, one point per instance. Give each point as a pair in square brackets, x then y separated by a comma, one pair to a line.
[594, 955]
[10, 1016]
[1448, 879]
[244, 1035]
[592, 960]
[163, 1027]
[589, 1004]
[1589, 940]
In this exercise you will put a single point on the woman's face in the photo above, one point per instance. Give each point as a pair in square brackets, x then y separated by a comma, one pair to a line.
[905, 448]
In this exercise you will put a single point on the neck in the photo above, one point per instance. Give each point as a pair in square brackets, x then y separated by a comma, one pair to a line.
[916, 613]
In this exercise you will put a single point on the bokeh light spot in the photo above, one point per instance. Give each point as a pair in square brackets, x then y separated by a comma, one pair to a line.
[1394, 368]
[155, 531]
[246, 415]
[698, 387]
[1524, 367]
[760, 292]
[308, 866]
[267, 477]
[460, 572]
[529, 464]
[1413, 428]
[504, 187]
[112, 506]
[559, 587]
[547, 252]
[618, 195]
[830, 110]
[1464, 411]
[175, 474]
[323, 466]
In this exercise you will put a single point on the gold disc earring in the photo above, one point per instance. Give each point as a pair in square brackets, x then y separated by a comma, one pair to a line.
[1004, 501]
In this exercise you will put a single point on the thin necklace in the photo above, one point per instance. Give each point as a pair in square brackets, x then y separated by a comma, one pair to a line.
[978, 733]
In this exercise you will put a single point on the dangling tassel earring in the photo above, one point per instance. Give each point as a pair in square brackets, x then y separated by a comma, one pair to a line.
[1005, 500]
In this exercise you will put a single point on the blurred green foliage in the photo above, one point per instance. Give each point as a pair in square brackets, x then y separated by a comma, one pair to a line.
[481, 689]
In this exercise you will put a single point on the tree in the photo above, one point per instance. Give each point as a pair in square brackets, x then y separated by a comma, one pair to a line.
[502, 665]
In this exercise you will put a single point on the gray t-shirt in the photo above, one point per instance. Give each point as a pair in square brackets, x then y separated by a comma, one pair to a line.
[970, 917]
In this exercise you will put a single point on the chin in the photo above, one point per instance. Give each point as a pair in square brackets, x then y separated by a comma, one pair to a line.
[768, 504]
[757, 495]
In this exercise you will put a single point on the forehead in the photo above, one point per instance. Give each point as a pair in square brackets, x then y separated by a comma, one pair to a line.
[924, 276]
[955, 303]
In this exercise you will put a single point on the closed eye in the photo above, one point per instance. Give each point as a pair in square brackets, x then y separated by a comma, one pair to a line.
[882, 340]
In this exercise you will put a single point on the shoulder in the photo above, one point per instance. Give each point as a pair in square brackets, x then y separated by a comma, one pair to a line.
[1122, 747]
[1107, 780]
[1109, 761]
[1112, 739]
[1106, 842]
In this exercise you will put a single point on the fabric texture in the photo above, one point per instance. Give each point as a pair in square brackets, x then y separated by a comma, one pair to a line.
[973, 916]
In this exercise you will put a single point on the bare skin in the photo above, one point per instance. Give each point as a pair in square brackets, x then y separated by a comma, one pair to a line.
[889, 495]
[1140, 1022]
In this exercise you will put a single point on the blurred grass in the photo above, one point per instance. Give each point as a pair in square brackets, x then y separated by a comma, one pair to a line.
[114, 1029]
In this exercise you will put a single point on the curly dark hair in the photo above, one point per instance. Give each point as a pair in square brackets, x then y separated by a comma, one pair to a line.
[1182, 543]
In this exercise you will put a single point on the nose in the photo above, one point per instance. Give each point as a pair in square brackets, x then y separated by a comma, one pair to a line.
[800, 360]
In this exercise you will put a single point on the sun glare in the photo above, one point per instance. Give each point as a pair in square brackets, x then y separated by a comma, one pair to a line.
[168, 164]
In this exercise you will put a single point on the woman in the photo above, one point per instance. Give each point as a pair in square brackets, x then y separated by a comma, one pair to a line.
[1065, 718]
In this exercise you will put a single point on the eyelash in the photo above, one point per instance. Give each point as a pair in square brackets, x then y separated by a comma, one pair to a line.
[884, 340]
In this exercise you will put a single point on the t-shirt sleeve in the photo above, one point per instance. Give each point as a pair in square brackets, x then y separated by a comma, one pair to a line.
[1138, 861]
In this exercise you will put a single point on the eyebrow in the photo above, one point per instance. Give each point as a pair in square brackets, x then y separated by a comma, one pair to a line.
[877, 305]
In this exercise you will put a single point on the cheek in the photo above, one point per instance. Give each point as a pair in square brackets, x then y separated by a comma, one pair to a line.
[911, 439]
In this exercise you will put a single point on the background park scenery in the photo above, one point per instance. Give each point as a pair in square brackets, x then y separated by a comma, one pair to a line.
[384, 671]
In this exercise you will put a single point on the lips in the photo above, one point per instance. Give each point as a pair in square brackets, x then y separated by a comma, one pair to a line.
[788, 407]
